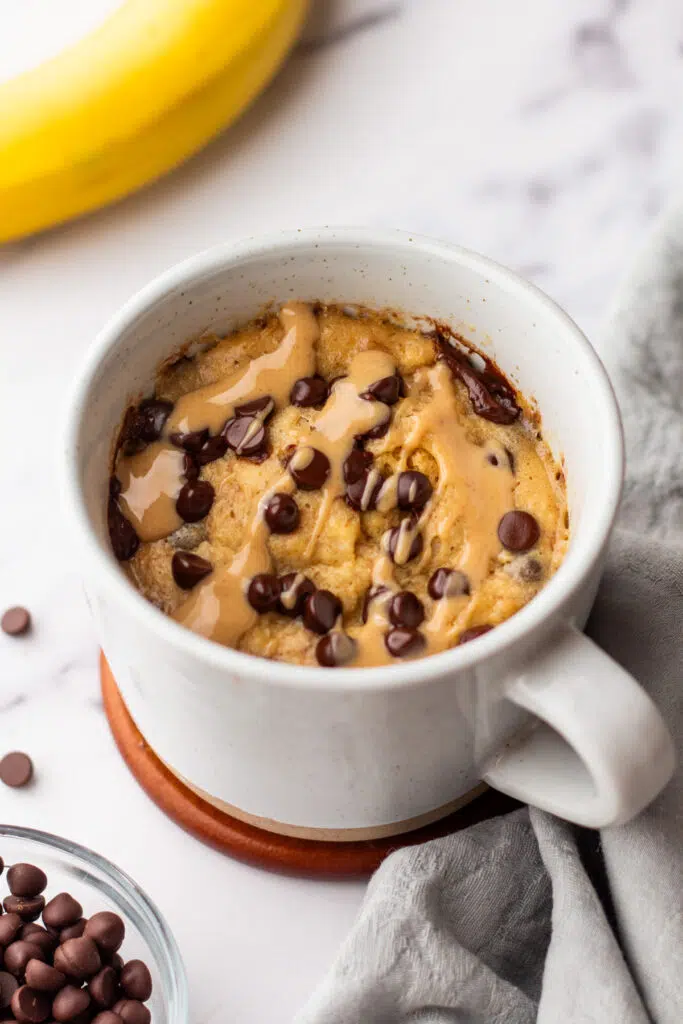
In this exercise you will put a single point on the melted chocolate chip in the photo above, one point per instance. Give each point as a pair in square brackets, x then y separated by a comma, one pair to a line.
[309, 475]
[190, 467]
[370, 596]
[189, 569]
[150, 418]
[124, 540]
[263, 592]
[415, 545]
[362, 494]
[357, 463]
[195, 500]
[413, 490]
[246, 435]
[190, 442]
[335, 649]
[309, 392]
[379, 431]
[473, 632]
[491, 396]
[447, 583]
[263, 407]
[406, 609]
[404, 643]
[387, 390]
[518, 531]
[321, 611]
[213, 448]
[282, 513]
[294, 589]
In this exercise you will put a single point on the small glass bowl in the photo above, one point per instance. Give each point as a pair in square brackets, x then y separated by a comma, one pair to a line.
[98, 885]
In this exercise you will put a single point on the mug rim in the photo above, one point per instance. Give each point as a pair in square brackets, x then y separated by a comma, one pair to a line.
[570, 576]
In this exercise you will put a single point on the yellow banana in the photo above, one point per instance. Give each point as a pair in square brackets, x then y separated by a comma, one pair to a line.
[130, 101]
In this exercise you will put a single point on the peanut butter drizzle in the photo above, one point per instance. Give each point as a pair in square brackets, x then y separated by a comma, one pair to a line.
[150, 484]
[271, 374]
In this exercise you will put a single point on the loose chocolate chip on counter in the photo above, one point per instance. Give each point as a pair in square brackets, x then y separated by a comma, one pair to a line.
[518, 531]
[79, 958]
[212, 449]
[263, 592]
[473, 632]
[122, 536]
[73, 931]
[10, 925]
[190, 442]
[8, 986]
[402, 642]
[309, 392]
[294, 589]
[321, 611]
[263, 407]
[30, 1007]
[18, 954]
[189, 569]
[309, 468]
[282, 513]
[136, 981]
[413, 490]
[356, 465]
[195, 500]
[16, 621]
[27, 907]
[370, 596]
[44, 978]
[132, 1012]
[397, 541]
[16, 769]
[61, 911]
[107, 1017]
[107, 931]
[335, 649]
[246, 435]
[26, 880]
[104, 988]
[447, 583]
[406, 609]
[387, 390]
[363, 493]
[69, 1002]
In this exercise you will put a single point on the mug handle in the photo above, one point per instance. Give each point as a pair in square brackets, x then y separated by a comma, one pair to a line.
[601, 751]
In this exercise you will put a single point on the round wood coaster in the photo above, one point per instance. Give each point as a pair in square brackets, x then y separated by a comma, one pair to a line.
[255, 845]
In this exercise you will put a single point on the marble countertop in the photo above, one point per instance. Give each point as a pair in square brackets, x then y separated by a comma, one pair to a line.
[542, 133]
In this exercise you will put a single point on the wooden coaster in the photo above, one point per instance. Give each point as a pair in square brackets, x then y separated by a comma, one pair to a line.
[255, 845]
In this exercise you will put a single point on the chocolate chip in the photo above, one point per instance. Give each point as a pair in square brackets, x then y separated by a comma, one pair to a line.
[404, 643]
[212, 449]
[73, 931]
[16, 621]
[321, 611]
[106, 930]
[335, 649]
[8, 986]
[370, 596]
[387, 390]
[40, 937]
[356, 465]
[136, 981]
[122, 536]
[518, 531]
[18, 954]
[394, 544]
[16, 769]
[491, 396]
[282, 513]
[294, 589]
[473, 632]
[375, 432]
[79, 958]
[447, 583]
[69, 1003]
[246, 435]
[30, 929]
[263, 592]
[104, 988]
[309, 468]
[132, 1012]
[363, 493]
[44, 978]
[27, 907]
[190, 467]
[190, 442]
[26, 880]
[309, 392]
[30, 1007]
[195, 500]
[10, 925]
[189, 569]
[413, 490]
[265, 406]
[112, 960]
[151, 418]
[61, 911]
[107, 1017]
[406, 609]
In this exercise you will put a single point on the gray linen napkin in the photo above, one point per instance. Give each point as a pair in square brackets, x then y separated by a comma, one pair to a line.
[503, 922]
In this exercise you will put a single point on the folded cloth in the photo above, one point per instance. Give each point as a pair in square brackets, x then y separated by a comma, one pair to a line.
[526, 918]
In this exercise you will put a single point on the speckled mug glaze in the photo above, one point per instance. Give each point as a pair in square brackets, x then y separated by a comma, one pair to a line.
[533, 708]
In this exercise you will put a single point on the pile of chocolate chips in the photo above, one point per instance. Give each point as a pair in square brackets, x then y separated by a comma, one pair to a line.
[67, 971]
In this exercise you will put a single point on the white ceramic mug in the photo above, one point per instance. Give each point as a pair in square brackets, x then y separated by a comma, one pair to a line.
[354, 753]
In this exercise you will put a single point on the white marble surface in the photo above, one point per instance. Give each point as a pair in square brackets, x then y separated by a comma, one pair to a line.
[543, 133]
